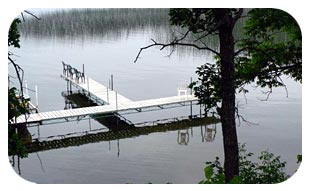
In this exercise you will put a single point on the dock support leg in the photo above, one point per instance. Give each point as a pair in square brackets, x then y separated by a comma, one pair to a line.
[116, 100]
[26, 88]
[67, 86]
[38, 132]
[191, 103]
[70, 88]
[117, 122]
[88, 86]
[37, 99]
[191, 110]
[112, 82]
[108, 95]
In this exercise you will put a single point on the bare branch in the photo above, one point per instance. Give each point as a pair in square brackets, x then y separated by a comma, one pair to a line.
[286, 91]
[175, 42]
[23, 16]
[201, 37]
[244, 91]
[268, 94]
[240, 117]
[17, 70]
[28, 12]
[171, 52]
[184, 36]
[146, 47]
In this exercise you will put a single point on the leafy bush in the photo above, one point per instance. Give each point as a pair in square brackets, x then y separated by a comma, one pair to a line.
[269, 169]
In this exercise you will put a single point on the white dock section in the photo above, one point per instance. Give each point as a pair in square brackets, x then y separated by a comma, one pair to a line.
[94, 110]
[114, 102]
[98, 90]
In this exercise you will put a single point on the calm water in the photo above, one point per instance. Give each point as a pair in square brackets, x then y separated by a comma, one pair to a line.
[156, 158]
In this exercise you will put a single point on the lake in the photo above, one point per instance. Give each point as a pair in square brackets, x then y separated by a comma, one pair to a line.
[158, 157]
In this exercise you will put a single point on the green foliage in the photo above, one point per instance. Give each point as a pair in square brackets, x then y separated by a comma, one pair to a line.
[272, 47]
[14, 34]
[214, 173]
[299, 158]
[207, 88]
[15, 106]
[269, 170]
[198, 20]
[16, 144]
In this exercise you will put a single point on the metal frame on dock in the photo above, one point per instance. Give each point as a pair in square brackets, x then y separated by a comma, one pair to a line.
[109, 100]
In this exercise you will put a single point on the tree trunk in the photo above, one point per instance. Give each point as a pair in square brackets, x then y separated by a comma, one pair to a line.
[231, 164]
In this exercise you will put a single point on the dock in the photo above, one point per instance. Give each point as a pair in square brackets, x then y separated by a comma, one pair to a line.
[109, 100]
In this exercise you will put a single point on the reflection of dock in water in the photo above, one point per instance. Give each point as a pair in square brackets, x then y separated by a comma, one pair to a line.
[207, 131]
[164, 125]
[119, 127]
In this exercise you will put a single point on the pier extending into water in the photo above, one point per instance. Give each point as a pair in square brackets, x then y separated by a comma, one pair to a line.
[108, 100]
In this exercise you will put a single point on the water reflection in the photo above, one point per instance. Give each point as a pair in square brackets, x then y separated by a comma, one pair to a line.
[183, 137]
[207, 133]
[93, 22]
[182, 127]
[13, 163]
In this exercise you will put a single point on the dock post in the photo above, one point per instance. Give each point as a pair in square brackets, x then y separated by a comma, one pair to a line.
[116, 100]
[112, 82]
[37, 98]
[108, 95]
[191, 106]
[39, 132]
[26, 89]
[70, 87]
[88, 86]
[83, 70]
[67, 86]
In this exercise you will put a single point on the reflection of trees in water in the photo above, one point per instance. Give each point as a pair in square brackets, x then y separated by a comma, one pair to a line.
[99, 22]
[110, 24]
[13, 163]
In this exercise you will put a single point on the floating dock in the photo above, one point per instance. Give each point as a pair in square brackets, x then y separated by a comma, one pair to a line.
[110, 101]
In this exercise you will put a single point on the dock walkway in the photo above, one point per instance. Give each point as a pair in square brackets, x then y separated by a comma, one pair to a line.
[112, 100]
